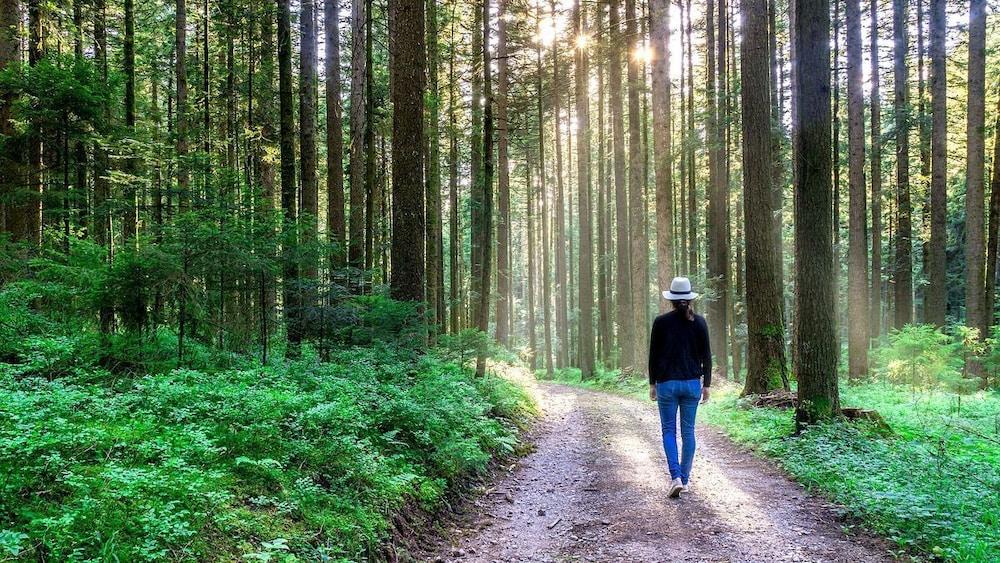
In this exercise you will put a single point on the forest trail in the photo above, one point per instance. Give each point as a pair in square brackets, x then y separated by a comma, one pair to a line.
[595, 489]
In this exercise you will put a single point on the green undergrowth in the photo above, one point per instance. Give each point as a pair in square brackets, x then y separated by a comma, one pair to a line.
[931, 484]
[305, 460]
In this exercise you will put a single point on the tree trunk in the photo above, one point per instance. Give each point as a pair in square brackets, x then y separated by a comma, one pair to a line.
[356, 168]
[408, 65]
[503, 312]
[604, 215]
[766, 367]
[130, 225]
[434, 267]
[975, 300]
[924, 149]
[374, 191]
[623, 286]
[717, 231]
[476, 169]
[876, 170]
[529, 212]
[335, 220]
[937, 298]
[903, 266]
[693, 261]
[586, 265]
[454, 229]
[816, 339]
[637, 212]
[857, 283]
[290, 270]
[994, 228]
[544, 197]
[659, 30]
[483, 306]
[309, 203]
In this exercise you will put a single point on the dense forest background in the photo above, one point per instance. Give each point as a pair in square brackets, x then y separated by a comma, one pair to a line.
[534, 171]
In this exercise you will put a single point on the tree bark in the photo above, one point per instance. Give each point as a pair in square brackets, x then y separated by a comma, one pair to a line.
[717, 230]
[309, 204]
[903, 265]
[434, 267]
[818, 396]
[766, 366]
[623, 286]
[544, 197]
[356, 169]
[586, 264]
[659, 30]
[857, 283]
[974, 184]
[876, 171]
[994, 228]
[454, 229]
[937, 298]
[503, 312]
[290, 270]
[483, 305]
[638, 271]
[336, 224]
[408, 67]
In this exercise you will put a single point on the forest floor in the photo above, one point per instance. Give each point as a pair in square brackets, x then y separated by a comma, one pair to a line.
[595, 489]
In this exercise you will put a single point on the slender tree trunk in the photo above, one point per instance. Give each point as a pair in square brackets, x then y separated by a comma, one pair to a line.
[937, 299]
[603, 214]
[544, 197]
[434, 262]
[693, 261]
[637, 213]
[659, 30]
[336, 224]
[529, 212]
[975, 300]
[623, 289]
[994, 227]
[290, 269]
[586, 254]
[454, 230]
[924, 149]
[561, 240]
[816, 339]
[130, 225]
[876, 171]
[857, 283]
[766, 365]
[503, 312]
[483, 306]
[375, 223]
[903, 267]
[408, 66]
[309, 202]
[717, 232]
[356, 169]
[476, 169]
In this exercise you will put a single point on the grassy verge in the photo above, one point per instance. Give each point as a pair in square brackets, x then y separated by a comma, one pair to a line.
[932, 485]
[306, 460]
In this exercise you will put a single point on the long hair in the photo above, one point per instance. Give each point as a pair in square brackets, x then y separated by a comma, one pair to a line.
[690, 308]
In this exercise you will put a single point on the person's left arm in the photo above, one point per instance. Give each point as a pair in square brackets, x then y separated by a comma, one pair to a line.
[651, 365]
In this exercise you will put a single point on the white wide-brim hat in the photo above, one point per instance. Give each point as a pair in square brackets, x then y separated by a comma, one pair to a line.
[680, 290]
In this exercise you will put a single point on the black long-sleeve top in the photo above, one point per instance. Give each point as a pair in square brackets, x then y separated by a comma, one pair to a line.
[679, 349]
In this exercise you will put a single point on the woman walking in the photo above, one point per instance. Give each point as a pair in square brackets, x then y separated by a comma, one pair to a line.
[680, 373]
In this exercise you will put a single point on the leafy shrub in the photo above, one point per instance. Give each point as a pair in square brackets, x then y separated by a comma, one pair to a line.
[925, 357]
[306, 459]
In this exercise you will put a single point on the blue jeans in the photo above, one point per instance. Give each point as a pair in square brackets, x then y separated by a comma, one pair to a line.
[671, 396]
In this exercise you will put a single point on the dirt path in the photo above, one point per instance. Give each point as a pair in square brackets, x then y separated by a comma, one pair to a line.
[595, 490]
